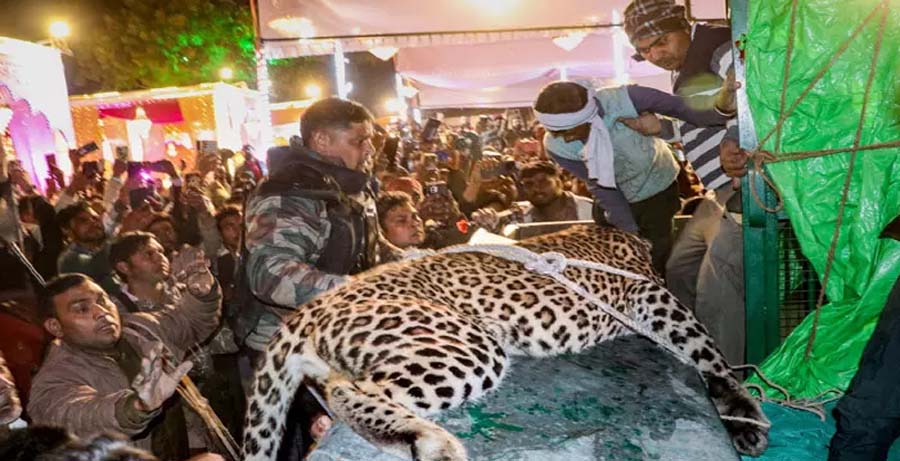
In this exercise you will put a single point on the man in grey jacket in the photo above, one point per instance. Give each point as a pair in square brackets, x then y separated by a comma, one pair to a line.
[110, 373]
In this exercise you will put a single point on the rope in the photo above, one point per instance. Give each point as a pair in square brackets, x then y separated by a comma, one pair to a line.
[814, 405]
[840, 217]
[787, 72]
[803, 155]
[553, 265]
[17, 252]
[761, 157]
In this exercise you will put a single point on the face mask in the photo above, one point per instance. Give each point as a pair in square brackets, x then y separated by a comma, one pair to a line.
[567, 150]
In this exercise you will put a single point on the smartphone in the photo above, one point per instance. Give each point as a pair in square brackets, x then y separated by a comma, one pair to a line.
[495, 171]
[51, 160]
[194, 181]
[87, 149]
[470, 143]
[429, 131]
[391, 146]
[137, 198]
[436, 188]
[122, 153]
[134, 169]
[429, 161]
[207, 148]
[90, 169]
[443, 157]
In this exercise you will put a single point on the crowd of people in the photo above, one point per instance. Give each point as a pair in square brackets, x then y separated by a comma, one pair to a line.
[129, 281]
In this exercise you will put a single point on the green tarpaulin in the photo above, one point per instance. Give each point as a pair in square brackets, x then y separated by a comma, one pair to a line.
[801, 436]
[865, 267]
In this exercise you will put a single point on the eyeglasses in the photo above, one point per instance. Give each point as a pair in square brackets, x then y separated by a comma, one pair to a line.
[662, 40]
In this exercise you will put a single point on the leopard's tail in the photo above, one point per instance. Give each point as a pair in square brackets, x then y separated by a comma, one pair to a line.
[289, 360]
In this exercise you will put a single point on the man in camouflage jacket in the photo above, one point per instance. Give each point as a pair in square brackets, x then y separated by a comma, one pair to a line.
[309, 226]
[296, 248]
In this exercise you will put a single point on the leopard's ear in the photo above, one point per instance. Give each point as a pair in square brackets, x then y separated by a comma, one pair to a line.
[892, 230]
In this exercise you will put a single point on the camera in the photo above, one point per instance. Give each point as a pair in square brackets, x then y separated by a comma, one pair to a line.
[207, 148]
[122, 153]
[429, 131]
[436, 188]
[86, 149]
[90, 169]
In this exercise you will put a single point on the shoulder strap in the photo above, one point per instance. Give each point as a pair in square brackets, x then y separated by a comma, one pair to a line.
[269, 188]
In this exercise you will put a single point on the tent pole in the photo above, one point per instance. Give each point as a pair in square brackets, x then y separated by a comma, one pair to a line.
[340, 70]
[760, 229]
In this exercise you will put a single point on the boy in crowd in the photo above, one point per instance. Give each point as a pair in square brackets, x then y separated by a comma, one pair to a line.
[400, 220]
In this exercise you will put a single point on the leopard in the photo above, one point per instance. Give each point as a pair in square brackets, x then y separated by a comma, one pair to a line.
[407, 340]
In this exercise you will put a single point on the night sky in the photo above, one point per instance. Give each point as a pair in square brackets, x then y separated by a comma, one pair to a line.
[30, 19]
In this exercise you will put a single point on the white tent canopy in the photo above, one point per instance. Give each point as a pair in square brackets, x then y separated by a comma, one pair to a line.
[470, 53]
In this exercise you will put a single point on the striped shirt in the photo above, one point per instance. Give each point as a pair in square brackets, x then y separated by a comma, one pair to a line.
[701, 144]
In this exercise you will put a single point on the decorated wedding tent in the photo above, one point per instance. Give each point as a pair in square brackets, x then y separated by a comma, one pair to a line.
[34, 106]
[470, 53]
[820, 97]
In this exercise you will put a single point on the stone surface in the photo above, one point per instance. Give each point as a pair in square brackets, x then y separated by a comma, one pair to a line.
[624, 400]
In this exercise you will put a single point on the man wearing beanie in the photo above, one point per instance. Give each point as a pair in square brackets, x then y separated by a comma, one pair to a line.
[705, 269]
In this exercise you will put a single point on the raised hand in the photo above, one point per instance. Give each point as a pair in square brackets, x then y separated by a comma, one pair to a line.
[486, 218]
[190, 267]
[157, 381]
[726, 100]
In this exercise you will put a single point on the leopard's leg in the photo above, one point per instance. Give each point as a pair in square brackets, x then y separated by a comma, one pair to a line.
[389, 425]
[422, 360]
[289, 360]
[657, 309]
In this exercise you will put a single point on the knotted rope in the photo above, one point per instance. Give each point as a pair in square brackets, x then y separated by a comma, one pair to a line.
[760, 157]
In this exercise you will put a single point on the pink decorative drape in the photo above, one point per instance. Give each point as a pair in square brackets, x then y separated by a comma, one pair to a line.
[512, 73]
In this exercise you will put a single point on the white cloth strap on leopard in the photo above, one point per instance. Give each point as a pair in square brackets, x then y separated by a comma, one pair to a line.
[553, 264]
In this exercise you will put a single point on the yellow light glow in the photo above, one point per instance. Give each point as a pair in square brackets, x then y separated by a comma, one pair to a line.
[313, 91]
[384, 52]
[394, 105]
[495, 7]
[226, 73]
[60, 29]
[570, 41]
[294, 26]
[408, 91]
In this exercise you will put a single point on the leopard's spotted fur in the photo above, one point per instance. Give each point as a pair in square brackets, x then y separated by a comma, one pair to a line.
[410, 339]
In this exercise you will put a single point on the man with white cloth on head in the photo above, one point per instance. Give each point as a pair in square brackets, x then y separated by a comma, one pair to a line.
[591, 133]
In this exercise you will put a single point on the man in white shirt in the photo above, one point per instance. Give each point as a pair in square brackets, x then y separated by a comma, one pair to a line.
[546, 200]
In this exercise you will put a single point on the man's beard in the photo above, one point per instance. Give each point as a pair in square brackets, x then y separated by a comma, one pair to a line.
[546, 199]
